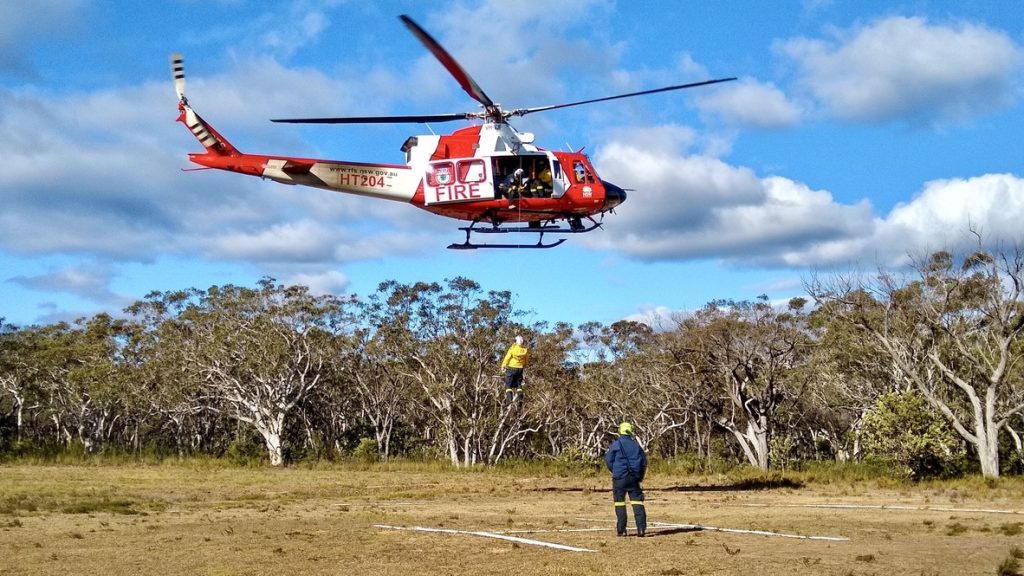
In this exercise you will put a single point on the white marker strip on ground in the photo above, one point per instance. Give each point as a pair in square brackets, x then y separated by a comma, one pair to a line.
[540, 530]
[486, 535]
[699, 527]
[883, 507]
[754, 532]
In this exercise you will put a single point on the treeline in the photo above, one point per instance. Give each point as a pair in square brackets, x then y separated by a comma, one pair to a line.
[924, 372]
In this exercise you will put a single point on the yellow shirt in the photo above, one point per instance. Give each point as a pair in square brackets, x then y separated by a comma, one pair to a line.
[515, 357]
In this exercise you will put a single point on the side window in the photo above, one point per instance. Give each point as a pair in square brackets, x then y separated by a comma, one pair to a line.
[471, 171]
[440, 174]
[579, 171]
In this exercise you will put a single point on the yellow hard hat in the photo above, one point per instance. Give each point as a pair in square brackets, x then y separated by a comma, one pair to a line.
[625, 429]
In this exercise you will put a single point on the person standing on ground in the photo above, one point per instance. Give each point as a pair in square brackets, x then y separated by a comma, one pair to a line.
[513, 365]
[628, 463]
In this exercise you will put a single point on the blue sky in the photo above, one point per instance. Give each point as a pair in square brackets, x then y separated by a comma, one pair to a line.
[858, 133]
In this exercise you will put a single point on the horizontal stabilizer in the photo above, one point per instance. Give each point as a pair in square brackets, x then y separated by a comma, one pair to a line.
[292, 167]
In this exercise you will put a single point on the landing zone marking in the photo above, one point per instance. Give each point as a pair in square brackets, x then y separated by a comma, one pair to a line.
[486, 535]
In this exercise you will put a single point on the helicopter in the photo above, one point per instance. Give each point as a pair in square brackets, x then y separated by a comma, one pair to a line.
[488, 173]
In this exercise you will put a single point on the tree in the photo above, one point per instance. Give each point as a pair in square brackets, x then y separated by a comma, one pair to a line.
[255, 353]
[849, 378]
[76, 371]
[748, 356]
[952, 333]
[453, 356]
[164, 381]
[15, 373]
[385, 393]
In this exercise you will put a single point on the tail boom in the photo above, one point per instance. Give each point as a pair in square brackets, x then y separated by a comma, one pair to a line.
[386, 181]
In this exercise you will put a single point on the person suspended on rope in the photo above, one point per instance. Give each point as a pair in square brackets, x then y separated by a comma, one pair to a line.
[513, 364]
[628, 463]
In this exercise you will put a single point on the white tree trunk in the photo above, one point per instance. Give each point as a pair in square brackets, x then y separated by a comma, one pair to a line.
[271, 430]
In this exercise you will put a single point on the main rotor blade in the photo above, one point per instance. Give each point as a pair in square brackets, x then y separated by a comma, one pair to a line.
[421, 119]
[453, 67]
[525, 111]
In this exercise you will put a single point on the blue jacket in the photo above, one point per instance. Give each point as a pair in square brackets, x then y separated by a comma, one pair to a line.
[625, 456]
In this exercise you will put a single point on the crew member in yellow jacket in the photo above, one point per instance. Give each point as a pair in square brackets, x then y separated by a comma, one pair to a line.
[513, 364]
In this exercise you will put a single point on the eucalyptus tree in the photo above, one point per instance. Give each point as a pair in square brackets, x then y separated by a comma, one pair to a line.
[849, 378]
[952, 332]
[614, 382]
[747, 358]
[387, 396]
[165, 380]
[456, 337]
[631, 375]
[76, 373]
[15, 380]
[552, 393]
[254, 353]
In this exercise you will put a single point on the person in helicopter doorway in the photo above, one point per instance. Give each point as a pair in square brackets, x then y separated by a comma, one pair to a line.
[509, 183]
[537, 188]
[519, 186]
[628, 463]
[544, 182]
[513, 364]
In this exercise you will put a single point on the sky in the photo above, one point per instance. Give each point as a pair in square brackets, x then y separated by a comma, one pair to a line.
[859, 133]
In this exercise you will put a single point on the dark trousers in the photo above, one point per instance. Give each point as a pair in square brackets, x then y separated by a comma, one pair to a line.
[620, 487]
[513, 385]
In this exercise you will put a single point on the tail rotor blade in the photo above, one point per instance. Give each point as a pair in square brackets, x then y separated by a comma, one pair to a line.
[178, 71]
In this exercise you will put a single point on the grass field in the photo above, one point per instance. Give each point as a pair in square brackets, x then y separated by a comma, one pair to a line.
[206, 519]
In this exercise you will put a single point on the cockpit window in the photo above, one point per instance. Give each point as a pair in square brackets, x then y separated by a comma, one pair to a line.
[581, 172]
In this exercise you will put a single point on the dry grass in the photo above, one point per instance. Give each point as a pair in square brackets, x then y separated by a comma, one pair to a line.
[200, 520]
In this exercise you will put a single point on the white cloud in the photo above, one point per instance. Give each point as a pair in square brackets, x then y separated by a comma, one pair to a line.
[89, 281]
[526, 46]
[695, 207]
[321, 283]
[749, 103]
[97, 175]
[909, 68]
[661, 318]
[944, 213]
[302, 29]
[691, 207]
[303, 240]
[673, 190]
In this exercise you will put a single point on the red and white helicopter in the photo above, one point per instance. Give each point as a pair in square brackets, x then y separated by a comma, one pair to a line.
[489, 174]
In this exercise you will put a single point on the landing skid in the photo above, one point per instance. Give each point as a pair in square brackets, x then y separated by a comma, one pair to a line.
[576, 226]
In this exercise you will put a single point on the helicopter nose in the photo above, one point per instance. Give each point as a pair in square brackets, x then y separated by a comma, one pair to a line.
[613, 196]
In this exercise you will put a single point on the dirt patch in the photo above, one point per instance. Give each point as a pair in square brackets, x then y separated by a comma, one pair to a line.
[173, 520]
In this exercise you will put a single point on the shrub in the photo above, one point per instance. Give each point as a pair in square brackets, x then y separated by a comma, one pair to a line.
[366, 451]
[903, 429]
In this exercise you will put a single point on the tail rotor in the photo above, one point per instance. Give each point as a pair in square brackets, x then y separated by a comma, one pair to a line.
[178, 71]
[207, 136]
